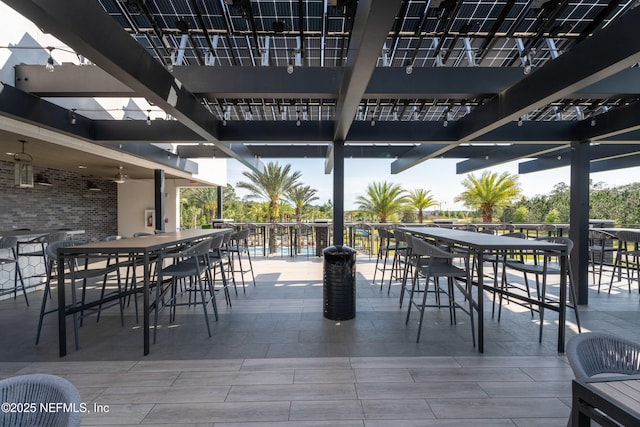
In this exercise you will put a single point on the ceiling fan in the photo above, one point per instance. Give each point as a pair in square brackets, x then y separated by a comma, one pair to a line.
[120, 178]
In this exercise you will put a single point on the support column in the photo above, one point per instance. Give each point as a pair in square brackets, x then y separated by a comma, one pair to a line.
[219, 202]
[158, 182]
[338, 193]
[579, 217]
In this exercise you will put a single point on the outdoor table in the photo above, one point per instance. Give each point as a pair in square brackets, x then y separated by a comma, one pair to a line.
[608, 401]
[144, 247]
[478, 244]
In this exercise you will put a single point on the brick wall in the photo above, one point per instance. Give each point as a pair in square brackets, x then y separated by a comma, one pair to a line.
[65, 204]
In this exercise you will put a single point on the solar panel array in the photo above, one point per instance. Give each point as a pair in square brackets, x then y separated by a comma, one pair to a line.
[316, 33]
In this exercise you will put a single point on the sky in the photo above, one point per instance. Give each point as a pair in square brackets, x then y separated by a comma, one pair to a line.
[437, 175]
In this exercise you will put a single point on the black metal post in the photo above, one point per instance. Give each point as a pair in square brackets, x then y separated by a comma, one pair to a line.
[579, 218]
[158, 175]
[219, 200]
[338, 193]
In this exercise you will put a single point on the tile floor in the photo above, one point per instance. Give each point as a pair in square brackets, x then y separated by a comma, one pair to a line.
[274, 360]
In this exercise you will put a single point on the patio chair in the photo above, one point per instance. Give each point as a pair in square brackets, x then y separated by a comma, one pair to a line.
[42, 242]
[543, 265]
[595, 353]
[384, 250]
[399, 258]
[238, 245]
[191, 263]
[432, 263]
[10, 246]
[629, 249]
[77, 271]
[36, 389]
[600, 250]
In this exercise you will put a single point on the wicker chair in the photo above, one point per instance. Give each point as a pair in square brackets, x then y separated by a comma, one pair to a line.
[36, 389]
[593, 353]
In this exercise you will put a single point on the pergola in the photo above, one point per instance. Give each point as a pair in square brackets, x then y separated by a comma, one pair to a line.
[484, 81]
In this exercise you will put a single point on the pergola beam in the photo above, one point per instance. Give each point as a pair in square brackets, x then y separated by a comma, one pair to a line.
[82, 26]
[586, 64]
[312, 82]
[373, 20]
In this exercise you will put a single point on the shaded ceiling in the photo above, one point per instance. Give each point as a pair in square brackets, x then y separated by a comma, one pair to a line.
[484, 81]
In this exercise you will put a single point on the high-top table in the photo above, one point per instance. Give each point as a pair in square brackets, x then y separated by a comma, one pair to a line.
[479, 243]
[144, 248]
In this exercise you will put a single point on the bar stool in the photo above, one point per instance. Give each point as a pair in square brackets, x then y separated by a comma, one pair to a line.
[629, 248]
[219, 260]
[383, 253]
[76, 272]
[41, 241]
[399, 257]
[543, 265]
[238, 245]
[432, 264]
[191, 263]
[600, 250]
[10, 245]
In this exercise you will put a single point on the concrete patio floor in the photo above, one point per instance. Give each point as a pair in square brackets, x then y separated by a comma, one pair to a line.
[274, 360]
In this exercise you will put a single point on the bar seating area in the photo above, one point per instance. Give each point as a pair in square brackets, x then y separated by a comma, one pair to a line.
[273, 347]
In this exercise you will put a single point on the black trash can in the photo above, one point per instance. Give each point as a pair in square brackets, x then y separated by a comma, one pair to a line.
[339, 282]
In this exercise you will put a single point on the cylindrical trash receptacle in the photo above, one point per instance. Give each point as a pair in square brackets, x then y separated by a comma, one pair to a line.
[339, 283]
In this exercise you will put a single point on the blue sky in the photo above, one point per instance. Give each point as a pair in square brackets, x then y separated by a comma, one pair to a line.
[437, 175]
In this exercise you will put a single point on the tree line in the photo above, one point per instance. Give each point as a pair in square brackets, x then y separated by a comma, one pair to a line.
[278, 195]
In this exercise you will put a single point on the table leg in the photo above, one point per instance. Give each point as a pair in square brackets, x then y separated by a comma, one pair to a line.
[480, 302]
[62, 325]
[145, 304]
[562, 313]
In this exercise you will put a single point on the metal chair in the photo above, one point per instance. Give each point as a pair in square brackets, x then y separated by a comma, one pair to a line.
[600, 250]
[432, 263]
[238, 244]
[544, 266]
[384, 249]
[42, 242]
[36, 389]
[191, 263]
[10, 245]
[629, 249]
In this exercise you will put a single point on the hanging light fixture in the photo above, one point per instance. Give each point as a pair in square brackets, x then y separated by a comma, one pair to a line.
[119, 178]
[72, 116]
[92, 186]
[49, 65]
[148, 117]
[23, 169]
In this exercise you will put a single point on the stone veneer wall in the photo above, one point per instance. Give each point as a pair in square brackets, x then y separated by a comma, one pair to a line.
[65, 204]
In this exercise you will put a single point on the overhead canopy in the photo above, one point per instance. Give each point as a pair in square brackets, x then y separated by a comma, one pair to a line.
[483, 81]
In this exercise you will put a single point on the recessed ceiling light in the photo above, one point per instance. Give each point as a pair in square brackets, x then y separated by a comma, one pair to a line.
[81, 167]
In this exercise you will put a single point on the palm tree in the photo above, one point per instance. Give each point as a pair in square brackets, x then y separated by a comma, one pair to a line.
[421, 199]
[489, 191]
[270, 185]
[382, 200]
[301, 196]
[207, 199]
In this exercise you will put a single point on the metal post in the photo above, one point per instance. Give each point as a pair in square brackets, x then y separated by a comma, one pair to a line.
[158, 175]
[338, 193]
[219, 190]
[579, 218]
